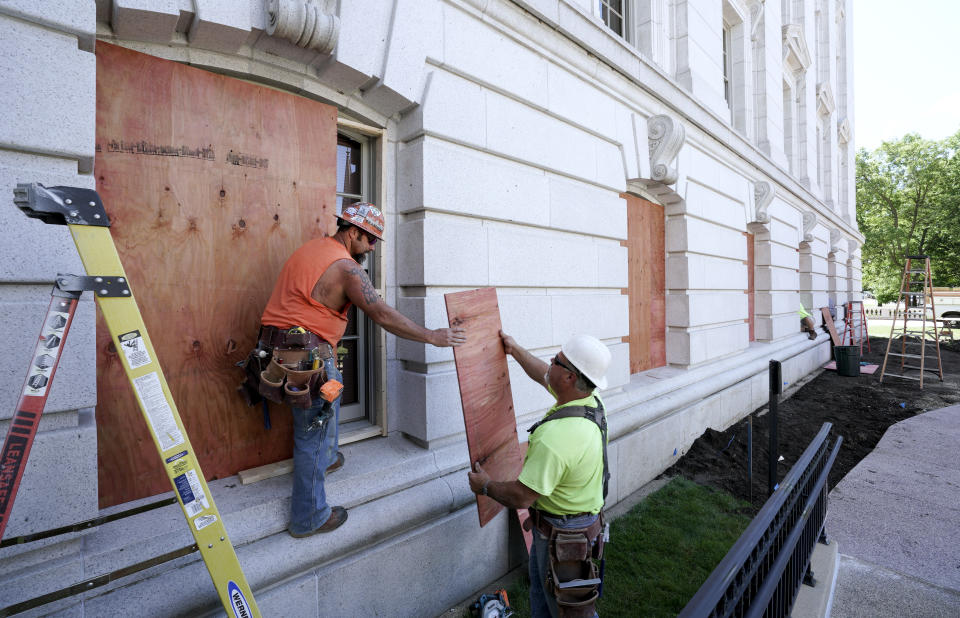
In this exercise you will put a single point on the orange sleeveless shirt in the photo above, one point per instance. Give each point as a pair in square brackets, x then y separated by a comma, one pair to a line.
[291, 303]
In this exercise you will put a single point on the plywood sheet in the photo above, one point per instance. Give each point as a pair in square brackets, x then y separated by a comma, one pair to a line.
[646, 264]
[828, 321]
[210, 183]
[485, 390]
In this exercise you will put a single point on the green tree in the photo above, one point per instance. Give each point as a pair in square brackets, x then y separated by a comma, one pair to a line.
[908, 203]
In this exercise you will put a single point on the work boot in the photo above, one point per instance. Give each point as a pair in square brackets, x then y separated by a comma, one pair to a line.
[336, 465]
[338, 515]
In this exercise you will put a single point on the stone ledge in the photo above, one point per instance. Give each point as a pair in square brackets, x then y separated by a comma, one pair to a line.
[816, 602]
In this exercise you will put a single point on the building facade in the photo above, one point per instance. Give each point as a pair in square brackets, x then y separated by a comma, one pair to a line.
[674, 177]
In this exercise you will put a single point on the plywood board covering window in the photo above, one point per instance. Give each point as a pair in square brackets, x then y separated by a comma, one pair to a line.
[646, 267]
[211, 183]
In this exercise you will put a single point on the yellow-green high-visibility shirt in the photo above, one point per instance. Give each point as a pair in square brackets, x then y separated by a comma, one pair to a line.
[564, 463]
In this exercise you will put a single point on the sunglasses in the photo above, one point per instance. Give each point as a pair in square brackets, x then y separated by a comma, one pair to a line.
[556, 361]
[371, 239]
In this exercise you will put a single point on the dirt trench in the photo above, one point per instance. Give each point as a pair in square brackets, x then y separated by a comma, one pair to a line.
[860, 408]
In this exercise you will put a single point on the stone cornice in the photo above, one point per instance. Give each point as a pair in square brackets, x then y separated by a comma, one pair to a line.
[305, 23]
[809, 222]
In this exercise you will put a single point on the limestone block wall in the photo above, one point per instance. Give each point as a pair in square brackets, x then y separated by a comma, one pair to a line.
[767, 44]
[45, 55]
[519, 162]
[699, 52]
[777, 259]
[706, 274]
[814, 269]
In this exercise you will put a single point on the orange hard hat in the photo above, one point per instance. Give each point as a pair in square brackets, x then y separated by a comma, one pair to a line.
[365, 216]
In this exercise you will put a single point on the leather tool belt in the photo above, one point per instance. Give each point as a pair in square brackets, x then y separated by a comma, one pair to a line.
[572, 575]
[285, 367]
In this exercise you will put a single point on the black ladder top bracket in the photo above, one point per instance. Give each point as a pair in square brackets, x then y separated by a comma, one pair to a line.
[61, 205]
[917, 257]
[101, 286]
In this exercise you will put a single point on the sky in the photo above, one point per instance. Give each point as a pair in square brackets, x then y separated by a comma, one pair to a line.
[906, 69]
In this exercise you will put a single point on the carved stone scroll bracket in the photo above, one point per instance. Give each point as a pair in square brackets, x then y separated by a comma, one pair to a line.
[305, 23]
[843, 131]
[763, 194]
[809, 222]
[835, 237]
[852, 247]
[666, 136]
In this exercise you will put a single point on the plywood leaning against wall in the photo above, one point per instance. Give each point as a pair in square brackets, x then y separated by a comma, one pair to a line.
[210, 183]
[485, 393]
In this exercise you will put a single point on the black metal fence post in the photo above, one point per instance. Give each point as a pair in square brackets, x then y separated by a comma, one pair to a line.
[776, 387]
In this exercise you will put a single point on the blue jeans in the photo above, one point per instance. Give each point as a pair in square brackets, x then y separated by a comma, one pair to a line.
[543, 604]
[313, 451]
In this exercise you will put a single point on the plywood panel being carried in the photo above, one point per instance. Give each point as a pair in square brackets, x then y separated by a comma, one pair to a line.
[485, 390]
[645, 272]
[211, 183]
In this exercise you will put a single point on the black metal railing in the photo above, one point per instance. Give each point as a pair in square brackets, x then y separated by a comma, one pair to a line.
[762, 573]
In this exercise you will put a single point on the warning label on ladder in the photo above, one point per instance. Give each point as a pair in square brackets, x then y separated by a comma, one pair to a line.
[158, 411]
[191, 493]
[46, 354]
[134, 349]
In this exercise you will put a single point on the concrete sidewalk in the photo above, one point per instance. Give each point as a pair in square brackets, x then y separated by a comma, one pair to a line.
[896, 519]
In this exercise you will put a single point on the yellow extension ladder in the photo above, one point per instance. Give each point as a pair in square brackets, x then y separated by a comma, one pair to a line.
[916, 289]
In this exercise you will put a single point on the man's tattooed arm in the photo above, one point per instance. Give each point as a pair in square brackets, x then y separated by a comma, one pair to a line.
[360, 290]
[370, 295]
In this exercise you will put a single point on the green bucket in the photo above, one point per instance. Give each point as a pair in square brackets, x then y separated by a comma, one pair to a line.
[848, 360]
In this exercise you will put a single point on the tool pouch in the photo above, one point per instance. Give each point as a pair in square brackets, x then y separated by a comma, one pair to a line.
[299, 386]
[573, 577]
[253, 367]
[271, 382]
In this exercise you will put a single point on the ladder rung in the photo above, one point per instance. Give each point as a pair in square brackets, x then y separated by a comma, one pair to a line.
[905, 355]
[900, 375]
[930, 369]
[918, 270]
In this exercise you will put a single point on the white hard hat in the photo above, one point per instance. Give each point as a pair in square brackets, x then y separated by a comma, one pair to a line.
[589, 356]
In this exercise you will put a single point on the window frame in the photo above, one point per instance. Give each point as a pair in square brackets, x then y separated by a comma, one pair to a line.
[371, 338]
[624, 14]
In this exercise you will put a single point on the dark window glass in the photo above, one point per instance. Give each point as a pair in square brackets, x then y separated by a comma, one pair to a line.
[348, 166]
[350, 394]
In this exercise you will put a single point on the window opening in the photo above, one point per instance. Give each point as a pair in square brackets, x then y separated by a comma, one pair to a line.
[727, 67]
[354, 185]
[613, 14]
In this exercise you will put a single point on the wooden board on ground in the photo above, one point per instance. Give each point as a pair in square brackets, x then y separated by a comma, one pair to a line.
[828, 321]
[864, 369]
[265, 472]
[485, 390]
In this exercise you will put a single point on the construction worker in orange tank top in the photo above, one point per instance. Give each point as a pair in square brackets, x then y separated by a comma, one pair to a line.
[315, 289]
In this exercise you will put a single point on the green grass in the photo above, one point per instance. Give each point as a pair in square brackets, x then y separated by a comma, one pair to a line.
[662, 551]
[881, 328]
